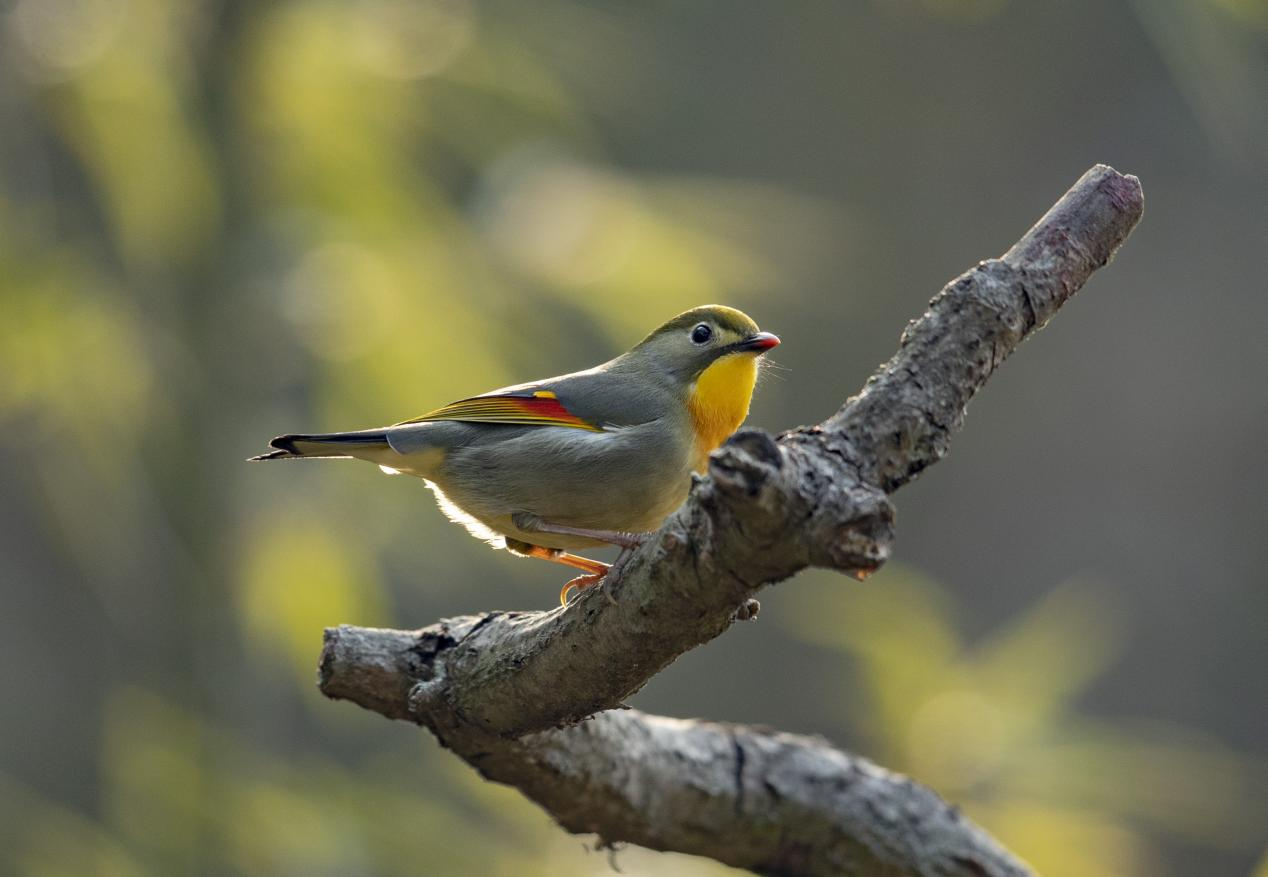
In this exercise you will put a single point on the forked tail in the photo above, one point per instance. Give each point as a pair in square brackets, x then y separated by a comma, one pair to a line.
[330, 445]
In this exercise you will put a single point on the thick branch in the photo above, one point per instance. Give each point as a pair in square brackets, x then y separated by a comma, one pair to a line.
[904, 418]
[817, 496]
[770, 802]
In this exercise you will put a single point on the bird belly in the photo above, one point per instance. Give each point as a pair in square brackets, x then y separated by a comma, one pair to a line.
[618, 480]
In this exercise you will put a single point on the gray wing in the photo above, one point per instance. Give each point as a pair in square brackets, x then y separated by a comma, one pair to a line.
[615, 394]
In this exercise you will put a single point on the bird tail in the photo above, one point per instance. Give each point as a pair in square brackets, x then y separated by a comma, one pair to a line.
[330, 445]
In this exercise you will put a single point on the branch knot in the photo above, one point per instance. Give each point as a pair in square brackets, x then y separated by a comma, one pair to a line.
[747, 462]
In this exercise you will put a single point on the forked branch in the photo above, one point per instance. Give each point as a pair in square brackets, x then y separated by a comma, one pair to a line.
[533, 699]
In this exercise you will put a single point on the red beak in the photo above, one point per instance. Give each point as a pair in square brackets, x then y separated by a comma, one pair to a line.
[759, 343]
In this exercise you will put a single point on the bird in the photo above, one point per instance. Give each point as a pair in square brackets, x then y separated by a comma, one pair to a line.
[587, 459]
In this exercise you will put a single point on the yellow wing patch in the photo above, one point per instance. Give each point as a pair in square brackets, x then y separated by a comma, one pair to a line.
[541, 408]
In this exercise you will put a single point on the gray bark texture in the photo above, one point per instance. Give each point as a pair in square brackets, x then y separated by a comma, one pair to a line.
[536, 699]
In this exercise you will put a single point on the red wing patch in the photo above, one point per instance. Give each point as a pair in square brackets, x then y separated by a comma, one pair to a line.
[541, 408]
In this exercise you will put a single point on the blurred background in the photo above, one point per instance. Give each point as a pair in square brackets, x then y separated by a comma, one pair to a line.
[220, 221]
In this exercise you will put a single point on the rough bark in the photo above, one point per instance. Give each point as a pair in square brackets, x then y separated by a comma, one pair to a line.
[508, 691]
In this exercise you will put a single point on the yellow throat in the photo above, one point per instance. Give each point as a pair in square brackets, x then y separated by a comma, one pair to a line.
[719, 401]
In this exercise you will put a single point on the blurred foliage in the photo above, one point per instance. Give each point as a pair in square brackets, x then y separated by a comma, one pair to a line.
[222, 220]
[180, 796]
[994, 725]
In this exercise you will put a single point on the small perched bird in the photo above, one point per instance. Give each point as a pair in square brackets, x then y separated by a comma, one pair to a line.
[595, 457]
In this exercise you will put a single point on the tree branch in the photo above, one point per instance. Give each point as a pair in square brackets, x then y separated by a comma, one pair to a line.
[497, 687]
[771, 802]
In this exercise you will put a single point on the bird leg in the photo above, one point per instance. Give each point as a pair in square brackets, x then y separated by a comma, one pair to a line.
[628, 542]
[595, 569]
[625, 540]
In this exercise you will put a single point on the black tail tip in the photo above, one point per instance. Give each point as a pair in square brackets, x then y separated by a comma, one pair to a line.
[285, 445]
[271, 455]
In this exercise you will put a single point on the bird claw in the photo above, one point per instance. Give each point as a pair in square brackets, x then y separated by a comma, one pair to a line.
[618, 566]
[580, 583]
[630, 541]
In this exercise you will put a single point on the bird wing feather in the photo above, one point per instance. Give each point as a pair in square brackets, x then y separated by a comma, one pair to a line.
[522, 407]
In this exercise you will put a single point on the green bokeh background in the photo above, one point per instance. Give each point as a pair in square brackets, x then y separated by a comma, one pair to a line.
[220, 221]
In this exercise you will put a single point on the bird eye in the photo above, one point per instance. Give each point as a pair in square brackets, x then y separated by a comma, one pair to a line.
[701, 334]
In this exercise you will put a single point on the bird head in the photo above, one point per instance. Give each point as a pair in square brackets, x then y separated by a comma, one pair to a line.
[697, 340]
[710, 354]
